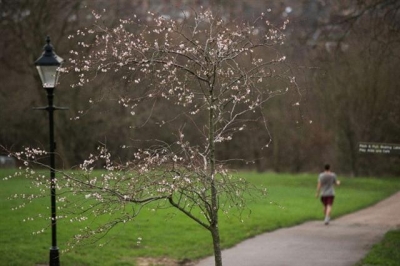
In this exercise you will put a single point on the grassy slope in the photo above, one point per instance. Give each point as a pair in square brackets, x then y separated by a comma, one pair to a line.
[166, 233]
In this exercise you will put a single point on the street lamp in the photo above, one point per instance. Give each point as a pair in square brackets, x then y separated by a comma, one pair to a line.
[48, 67]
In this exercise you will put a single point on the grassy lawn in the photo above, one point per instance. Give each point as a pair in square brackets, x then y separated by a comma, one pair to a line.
[167, 233]
[385, 253]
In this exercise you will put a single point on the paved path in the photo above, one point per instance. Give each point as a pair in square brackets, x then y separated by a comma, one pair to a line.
[343, 243]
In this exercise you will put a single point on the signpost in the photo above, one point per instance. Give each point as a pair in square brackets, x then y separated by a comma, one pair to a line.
[378, 148]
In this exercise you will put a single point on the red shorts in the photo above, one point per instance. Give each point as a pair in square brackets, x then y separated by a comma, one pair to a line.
[327, 200]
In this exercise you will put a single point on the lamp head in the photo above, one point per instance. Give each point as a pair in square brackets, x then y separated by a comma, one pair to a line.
[48, 65]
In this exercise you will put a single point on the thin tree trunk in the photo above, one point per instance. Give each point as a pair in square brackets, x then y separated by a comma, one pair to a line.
[216, 244]
[214, 193]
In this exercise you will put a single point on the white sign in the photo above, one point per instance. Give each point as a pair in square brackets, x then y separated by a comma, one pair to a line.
[378, 148]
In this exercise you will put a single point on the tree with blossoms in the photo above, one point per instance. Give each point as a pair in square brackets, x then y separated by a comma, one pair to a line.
[209, 78]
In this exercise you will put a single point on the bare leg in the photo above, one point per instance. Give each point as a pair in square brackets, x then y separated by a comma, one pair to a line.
[328, 210]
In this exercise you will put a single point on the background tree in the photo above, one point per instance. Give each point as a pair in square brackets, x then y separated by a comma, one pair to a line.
[24, 26]
[323, 38]
[356, 85]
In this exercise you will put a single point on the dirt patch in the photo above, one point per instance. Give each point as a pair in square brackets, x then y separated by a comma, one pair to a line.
[164, 262]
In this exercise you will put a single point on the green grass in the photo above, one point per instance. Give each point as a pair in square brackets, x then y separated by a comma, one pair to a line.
[385, 253]
[167, 233]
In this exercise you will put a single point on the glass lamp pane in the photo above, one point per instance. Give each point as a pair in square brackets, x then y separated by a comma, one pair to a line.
[48, 75]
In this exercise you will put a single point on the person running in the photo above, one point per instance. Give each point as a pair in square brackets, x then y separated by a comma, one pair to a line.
[325, 188]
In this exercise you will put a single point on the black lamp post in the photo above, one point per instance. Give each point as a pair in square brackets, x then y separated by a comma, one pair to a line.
[48, 67]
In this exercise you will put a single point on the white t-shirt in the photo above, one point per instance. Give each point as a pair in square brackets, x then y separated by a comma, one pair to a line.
[327, 180]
